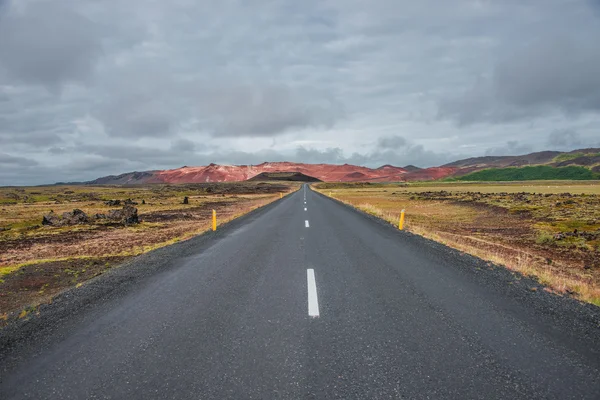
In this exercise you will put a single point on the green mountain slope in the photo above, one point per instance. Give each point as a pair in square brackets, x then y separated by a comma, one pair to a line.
[538, 172]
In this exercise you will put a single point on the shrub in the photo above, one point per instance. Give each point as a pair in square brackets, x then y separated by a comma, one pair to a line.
[545, 238]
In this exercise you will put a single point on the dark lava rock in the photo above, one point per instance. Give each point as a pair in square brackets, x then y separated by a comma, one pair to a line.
[51, 219]
[130, 202]
[75, 217]
[186, 200]
[128, 215]
[113, 203]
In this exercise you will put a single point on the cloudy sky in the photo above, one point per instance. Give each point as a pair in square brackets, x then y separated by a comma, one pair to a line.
[90, 88]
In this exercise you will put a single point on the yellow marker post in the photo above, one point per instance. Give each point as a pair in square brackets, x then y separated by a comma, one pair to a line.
[214, 221]
[401, 223]
[281, 195]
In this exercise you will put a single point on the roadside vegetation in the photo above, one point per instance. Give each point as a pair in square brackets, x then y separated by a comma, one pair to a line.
[550, 231]
[46, 246]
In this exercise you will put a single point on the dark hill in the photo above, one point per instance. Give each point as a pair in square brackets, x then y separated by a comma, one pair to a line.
[284, 176]
[412, 168]
[123, 179]
[541, 157]
[583, 157]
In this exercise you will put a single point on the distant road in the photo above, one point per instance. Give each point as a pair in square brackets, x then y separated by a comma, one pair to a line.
[306, 299]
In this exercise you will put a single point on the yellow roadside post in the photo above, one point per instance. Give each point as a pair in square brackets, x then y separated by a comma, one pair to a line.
[214, 221]
[401, 223]
[281, 195]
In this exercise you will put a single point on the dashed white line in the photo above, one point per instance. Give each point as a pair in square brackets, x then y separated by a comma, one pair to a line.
[306, 223]
[313, 301]
[304, 208]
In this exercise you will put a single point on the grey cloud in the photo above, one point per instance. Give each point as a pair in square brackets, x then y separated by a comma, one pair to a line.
[410, 154]
[132, 154]
[145, 99]
[140, 102]
[93, 164]
[415, 154]
[556, 72]
[10, 160]
[137, 120]
[391, 142]
[31, 139]
[21, 176]
[47, 43]
[268, 110]
[564, 139]
[183, 145]
[57, 150]
[130, 81]
[595, 5]
[315, 156]
[511, 148]
[32, 117]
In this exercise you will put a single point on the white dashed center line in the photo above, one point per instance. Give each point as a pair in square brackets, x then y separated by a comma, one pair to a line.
[313, 301]
[306, 223]
[304, 208]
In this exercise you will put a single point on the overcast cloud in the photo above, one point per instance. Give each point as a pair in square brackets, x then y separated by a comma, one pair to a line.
[91, 88]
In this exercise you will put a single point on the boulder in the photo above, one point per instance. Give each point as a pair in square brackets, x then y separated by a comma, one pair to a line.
[186, 200]
[130, 202]
[113, 203]
[75, 217]
[100, 216]
[128, 215]
[51, 219]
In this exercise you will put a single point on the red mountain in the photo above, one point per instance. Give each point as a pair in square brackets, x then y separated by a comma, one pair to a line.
[353, 173]
[229, 173]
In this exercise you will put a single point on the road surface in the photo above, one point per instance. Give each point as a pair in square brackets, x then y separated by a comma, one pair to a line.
[307, 299]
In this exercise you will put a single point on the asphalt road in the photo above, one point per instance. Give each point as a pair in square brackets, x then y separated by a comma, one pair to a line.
[306, 300]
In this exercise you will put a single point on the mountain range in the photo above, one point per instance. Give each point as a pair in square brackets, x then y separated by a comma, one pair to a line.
[588, 158]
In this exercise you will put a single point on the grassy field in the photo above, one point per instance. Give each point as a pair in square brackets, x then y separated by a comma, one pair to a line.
[38, 261]
[547, 230]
